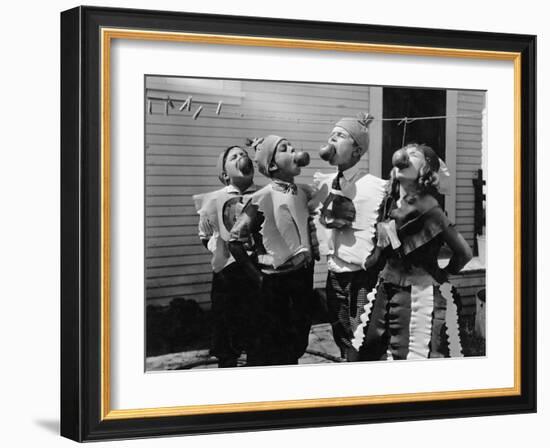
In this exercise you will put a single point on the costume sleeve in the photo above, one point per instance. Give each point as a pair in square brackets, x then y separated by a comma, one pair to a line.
[426, 227]
[205, 204]
[206, 229]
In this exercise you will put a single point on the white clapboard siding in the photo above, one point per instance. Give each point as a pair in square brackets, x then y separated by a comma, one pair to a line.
[468, 157]
[468, 285]
[181, 155]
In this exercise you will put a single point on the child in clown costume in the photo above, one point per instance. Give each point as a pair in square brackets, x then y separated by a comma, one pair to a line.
[277, 218]
[349, 202]
[232, 299]
[407, 317]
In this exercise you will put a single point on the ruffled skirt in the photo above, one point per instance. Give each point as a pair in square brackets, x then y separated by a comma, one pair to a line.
[408, 322]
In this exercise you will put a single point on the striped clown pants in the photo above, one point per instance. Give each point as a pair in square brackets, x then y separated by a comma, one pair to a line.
[406, 322]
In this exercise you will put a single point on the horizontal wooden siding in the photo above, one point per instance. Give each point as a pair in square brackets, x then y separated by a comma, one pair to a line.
[470, 106]
[181, 158]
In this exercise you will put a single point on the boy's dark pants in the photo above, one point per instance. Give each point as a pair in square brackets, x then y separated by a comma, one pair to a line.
[235, 312]
[346, 298]
[287, 302]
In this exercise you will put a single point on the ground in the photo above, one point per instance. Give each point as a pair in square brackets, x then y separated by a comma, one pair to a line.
[321, 349]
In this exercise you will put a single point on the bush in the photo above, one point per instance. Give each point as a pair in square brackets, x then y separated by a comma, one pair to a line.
[180, 326]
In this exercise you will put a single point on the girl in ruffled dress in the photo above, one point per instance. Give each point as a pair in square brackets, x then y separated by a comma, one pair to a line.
[407, 315]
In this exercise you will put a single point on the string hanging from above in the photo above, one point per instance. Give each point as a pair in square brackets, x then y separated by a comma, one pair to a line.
[405, 121]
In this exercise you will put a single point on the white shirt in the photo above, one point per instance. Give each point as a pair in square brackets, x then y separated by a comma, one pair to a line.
[350, 177]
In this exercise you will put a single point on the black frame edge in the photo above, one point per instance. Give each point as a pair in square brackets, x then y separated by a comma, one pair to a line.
[309, 29]
[71, 384]
[529, 222]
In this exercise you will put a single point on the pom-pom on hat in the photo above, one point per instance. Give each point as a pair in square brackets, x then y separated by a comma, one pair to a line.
[358, 129]
[220, 165]
[264, 148]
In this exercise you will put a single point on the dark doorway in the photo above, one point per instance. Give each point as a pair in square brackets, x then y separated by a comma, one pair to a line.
[397, 103]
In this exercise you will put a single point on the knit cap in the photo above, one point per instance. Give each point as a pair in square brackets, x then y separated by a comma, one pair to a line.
[265, 151]
[358, 129]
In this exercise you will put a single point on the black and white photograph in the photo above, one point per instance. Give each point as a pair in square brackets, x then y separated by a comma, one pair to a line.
[301, 223]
